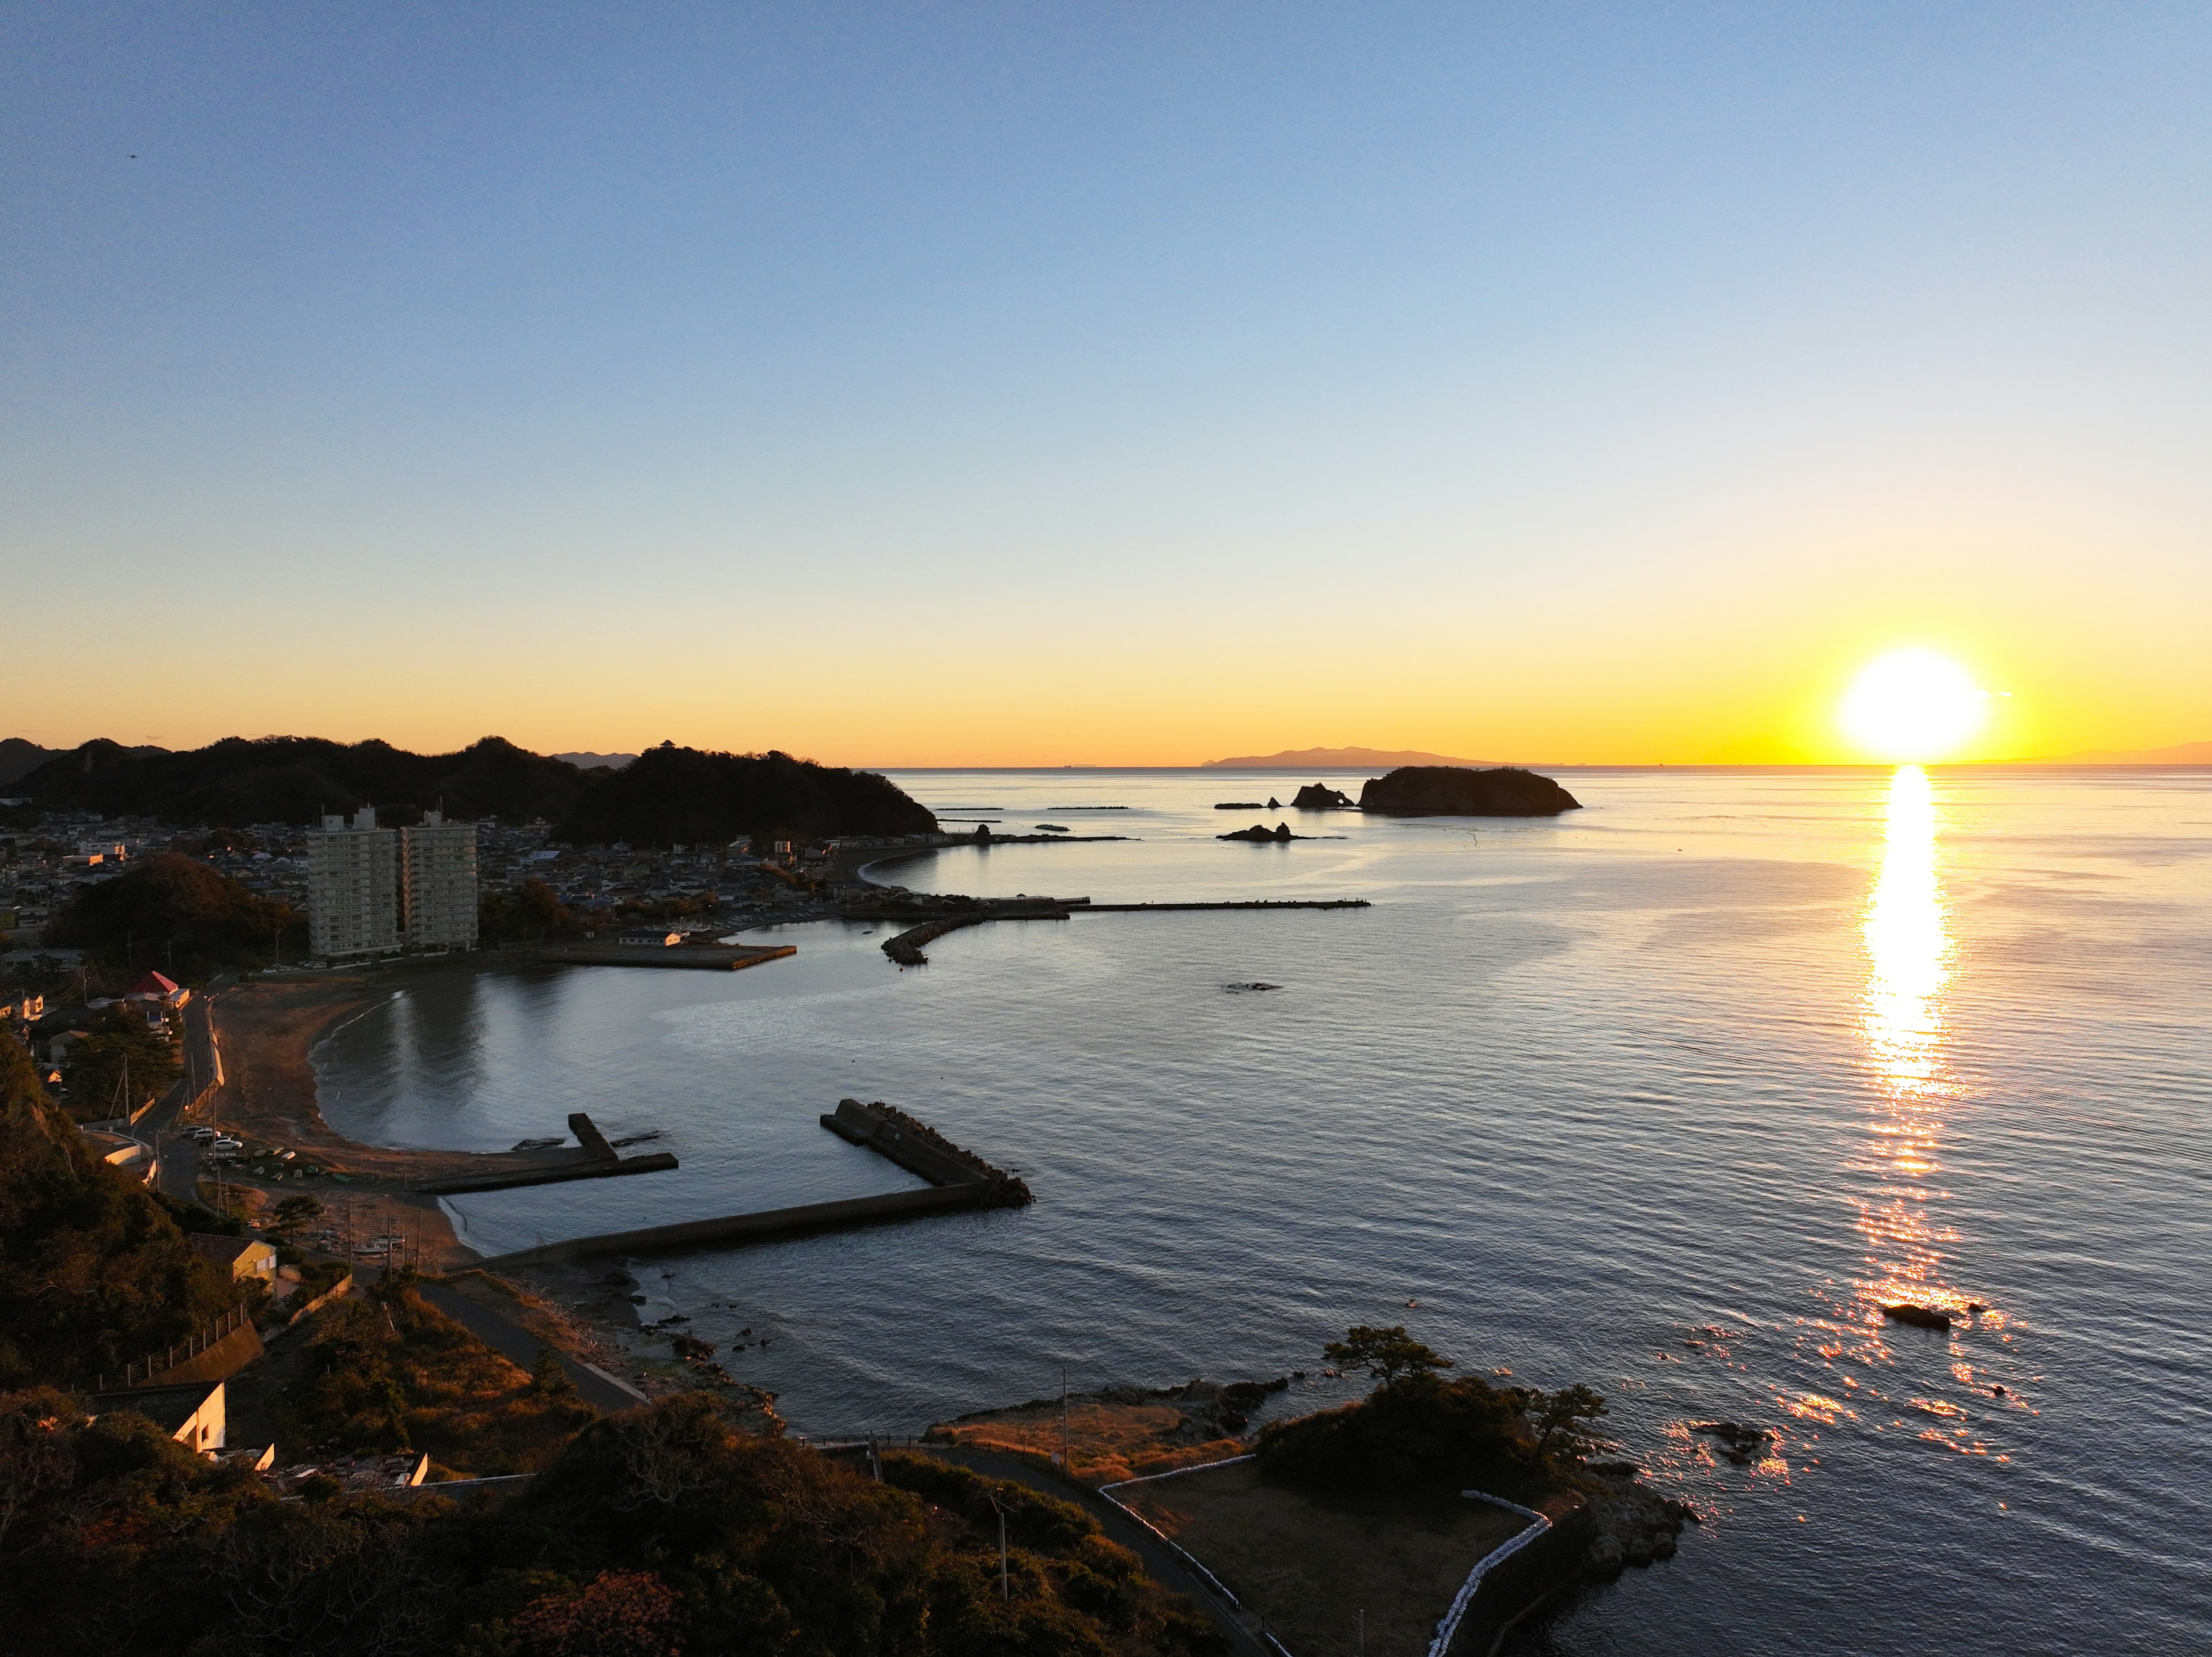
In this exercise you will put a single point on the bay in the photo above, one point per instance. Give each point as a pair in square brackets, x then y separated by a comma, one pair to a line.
[1667, 1095]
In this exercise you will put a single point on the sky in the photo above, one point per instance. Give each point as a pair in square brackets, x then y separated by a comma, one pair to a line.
[1049, 384]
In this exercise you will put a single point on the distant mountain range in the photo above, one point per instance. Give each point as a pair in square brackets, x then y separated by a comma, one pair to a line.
[2185, 753]
[597, 762]
[1340, 759]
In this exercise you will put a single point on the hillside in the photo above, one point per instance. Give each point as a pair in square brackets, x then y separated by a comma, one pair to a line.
[176, 912]
[293, 778]
[93, 1271]
[19, 758]
[1340, 759]
[670, 795]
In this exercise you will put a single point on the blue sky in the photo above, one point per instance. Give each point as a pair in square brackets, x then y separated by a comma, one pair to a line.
[1707, 347]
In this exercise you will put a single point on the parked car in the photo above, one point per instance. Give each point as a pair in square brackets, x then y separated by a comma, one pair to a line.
[229, 1146]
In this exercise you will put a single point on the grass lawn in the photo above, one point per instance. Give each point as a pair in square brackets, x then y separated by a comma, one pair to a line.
[1310, 1564]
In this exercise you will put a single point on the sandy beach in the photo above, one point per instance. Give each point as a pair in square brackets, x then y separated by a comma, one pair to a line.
[268, 1031]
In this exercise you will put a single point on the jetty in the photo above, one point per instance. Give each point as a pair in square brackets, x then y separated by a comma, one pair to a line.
[592, 1158]
[958, 1180]
[699, 957]
[906, 947]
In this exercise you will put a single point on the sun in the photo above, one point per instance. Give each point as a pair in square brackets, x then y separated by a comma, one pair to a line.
[1912, 705]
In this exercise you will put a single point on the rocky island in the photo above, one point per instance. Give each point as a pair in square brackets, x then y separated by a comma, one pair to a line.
[1451, 790]
[1318, 797]
[1259, 834]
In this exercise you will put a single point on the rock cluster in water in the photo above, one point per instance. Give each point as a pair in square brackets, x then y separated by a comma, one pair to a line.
[1454, 790]
[1629, 1523]
[1260, 832]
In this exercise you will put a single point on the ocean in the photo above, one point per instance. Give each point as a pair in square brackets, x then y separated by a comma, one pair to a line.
[1667, 1096]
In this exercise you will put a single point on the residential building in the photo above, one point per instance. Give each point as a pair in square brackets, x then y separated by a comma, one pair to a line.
[438, 882]
[242, 1256]
[352, 887]
[192, 1414]
[159, 988]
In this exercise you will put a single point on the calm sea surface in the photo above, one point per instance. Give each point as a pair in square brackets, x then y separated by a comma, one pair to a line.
[1666, 1095]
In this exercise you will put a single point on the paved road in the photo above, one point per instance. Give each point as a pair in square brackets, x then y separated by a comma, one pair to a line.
[179, 1157]
[511, 1340]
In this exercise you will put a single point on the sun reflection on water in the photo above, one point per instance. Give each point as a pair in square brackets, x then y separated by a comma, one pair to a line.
[1909, 954]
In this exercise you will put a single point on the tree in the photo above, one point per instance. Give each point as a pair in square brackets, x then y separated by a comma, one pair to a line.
[296, 1214]
[1564, 1418]
[1385, 1353]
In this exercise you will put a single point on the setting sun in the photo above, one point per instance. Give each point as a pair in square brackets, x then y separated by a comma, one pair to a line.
[1912, 705]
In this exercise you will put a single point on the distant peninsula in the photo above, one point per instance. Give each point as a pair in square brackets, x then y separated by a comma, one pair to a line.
[1340, 759]
[2186, 753]
[1442, 791]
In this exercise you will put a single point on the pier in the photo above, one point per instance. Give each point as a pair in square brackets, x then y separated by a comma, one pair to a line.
[699, 957]
[958, 1180]
[593, 1158]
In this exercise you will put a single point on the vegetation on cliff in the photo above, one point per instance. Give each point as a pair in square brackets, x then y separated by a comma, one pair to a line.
[178, 913]
[670, 1529]
[1450, 791]
[94, 1271]
[391, 1371]
[294, 778]
[682, 796]
[1419, 1430]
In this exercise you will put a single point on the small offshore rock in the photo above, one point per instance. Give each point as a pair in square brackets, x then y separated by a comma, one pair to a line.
[1920, 1317]
[1313, 797]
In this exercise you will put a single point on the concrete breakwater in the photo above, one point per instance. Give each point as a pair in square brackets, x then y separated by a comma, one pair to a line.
[906, 947]
[699, 957]
[768, 1225]
[920, 1149]
[593, 1158]
[959, 1178]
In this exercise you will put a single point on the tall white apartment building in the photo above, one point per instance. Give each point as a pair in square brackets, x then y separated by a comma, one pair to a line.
[353, 878]
[438, 882]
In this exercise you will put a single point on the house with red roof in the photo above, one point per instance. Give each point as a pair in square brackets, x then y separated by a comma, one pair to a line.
[157, 988]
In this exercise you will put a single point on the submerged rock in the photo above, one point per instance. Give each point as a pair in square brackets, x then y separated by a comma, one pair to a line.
[1454, 790]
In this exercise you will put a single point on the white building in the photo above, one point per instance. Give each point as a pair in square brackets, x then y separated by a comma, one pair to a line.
[438, 882]
[353, 887]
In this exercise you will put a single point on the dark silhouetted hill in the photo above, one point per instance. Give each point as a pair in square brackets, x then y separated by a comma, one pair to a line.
[19, 758]
[1448, 791]
[93, 1271]
[293, 779]
[587, 761]
[670, 795]
[170, 908]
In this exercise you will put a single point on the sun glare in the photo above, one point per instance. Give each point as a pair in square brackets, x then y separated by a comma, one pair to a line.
[1913, 704]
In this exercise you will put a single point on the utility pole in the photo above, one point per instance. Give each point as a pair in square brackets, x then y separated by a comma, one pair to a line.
[1067, 1466]
[1005, 1591]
